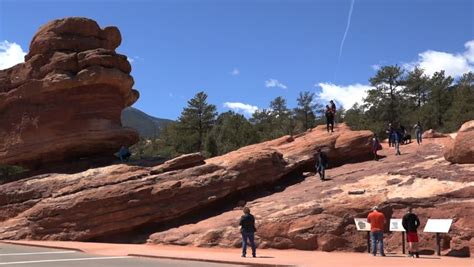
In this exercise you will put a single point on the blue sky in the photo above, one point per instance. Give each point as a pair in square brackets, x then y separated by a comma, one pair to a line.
[246, 53]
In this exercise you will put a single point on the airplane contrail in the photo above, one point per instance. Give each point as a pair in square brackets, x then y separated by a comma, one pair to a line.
[347, 29]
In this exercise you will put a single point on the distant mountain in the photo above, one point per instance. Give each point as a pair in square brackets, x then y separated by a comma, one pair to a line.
[146, 125]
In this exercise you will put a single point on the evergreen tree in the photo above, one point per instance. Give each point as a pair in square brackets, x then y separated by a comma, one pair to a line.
[230, 132]
[462, 106]
[281, 117]
[305, 110]
[385, 97]
[262, 121]
[416, 87]
[195, 122]
[439, 100]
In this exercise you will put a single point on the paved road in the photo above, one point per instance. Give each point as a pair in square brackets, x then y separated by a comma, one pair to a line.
[23, 256]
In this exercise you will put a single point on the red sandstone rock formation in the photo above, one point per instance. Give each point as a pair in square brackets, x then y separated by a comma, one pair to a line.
[115, 199]
[315, 215]
[65, 100]
[432, 134]
[203, 202]
[461, 150]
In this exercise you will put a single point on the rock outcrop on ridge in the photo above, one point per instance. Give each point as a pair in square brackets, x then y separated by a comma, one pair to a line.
[461, 150]
[121, 198]
[315, 215]
[65, 100]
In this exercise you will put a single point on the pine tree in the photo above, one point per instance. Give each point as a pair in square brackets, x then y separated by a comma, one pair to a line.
[281, 117]
[439, 100]
[385, 96]
[305, 110]
[195, 122]
[462, 106]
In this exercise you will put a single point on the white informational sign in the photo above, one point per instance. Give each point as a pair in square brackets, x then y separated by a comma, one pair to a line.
[396, 225]
[362, 224]
[438, 225]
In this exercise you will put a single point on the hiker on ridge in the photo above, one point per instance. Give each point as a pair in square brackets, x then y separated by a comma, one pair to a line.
[329, 119]
[247, 229]
[322, 164]
[376, 146]
[418, 132]
[397, 139]
[389, 132]
[332, 105]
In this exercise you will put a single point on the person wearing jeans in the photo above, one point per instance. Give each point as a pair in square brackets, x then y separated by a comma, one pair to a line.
[418, 132]
[377, 224]
[377, 237]
[247, 223]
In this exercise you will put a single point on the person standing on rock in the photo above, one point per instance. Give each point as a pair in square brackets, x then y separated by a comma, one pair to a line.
[377, 224]
[329, 119]
[376, 146]
[397, 138]
[411, 223]
[389, 132]
[322, 164]
[247, 229]
[418, 132]
[332, 105]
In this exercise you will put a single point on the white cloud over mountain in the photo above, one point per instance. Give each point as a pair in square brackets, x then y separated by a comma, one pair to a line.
[238, 107]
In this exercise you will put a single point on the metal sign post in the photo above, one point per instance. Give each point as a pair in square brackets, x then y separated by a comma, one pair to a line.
[438, 226]
[396, 226]
[363, 225]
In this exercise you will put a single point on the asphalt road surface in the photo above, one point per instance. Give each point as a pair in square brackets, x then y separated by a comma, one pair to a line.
[23, 256]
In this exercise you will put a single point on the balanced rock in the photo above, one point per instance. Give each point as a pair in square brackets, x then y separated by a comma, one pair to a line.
[461, 149]
[65, 100]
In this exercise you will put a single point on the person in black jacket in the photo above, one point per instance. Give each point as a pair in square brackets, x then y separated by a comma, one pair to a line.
[247, 224]
[411, 223]
[322, 164]
[329, 119]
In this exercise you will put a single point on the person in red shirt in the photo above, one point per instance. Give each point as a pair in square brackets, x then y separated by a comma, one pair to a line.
[377, 224]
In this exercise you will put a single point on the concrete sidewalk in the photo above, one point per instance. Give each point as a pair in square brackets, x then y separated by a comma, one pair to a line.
[266, 257]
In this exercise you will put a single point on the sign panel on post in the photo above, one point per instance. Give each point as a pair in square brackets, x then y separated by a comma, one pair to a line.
[438, 225]
[362, 224]
[396, 225]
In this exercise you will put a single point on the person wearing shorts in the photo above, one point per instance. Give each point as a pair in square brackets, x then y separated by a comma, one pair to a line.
[411, 223]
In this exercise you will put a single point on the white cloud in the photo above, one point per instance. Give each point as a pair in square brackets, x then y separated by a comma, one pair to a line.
[130, 59]
[235, 72]
[241, 107]
[375, 67]
[274, 83]
[347, 95]
[454, 65]
[469, 54]
[10, 54]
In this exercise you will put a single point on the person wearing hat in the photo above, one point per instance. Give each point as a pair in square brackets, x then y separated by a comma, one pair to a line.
[247, 223]
[377, 224]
